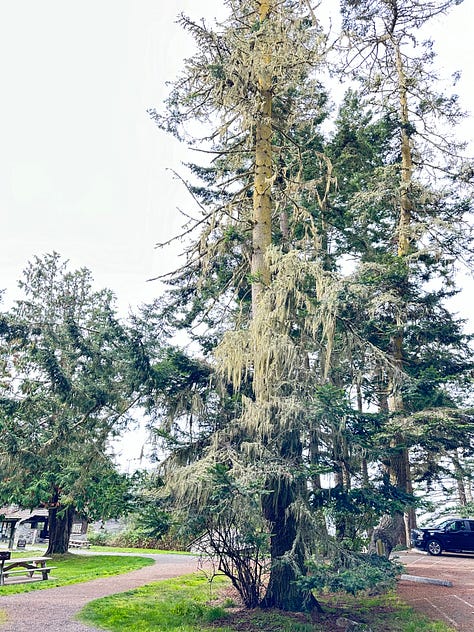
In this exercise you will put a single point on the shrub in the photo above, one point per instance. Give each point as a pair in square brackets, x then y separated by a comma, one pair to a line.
[98, 538]
[353, 573]
[134, 537]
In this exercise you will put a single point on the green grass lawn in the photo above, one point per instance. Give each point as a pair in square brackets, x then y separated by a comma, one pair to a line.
[175, 604]
[73, 569]
[118, 549]
[185, 605]
[105, 549]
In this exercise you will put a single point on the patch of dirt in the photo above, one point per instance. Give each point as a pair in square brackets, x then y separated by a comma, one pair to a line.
[336, 607]
[271, 621]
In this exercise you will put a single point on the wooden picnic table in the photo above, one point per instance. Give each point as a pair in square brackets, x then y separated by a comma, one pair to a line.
[26, 566]
[79, 544]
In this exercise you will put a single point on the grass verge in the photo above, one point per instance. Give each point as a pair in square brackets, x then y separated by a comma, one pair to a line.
[108, 549]
[184, 605]
[121, 549]
[74, 569]
[174, 604]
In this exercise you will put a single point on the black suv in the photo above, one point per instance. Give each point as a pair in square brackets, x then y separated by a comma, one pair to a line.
[455, 534]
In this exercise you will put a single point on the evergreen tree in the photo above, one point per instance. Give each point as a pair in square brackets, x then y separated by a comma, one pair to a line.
[423, 180]
[66, 391]
[248, 79]
[300, 350]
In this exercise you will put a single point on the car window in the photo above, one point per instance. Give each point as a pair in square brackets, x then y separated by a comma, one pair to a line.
[471, 524]
[457, 525]
[442, 525]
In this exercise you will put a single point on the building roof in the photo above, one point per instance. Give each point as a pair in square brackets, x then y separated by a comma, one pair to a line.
[15, 514]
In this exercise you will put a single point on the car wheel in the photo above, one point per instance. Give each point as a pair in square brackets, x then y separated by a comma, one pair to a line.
[434, 547]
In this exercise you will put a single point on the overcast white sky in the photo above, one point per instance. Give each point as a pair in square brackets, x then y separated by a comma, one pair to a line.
[83, 168]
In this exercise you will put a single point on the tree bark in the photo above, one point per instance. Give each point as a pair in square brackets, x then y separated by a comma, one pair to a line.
[287, 558]
[459, 477]
[59, 525]
[287, 555]
[400, 475]
[262, 194]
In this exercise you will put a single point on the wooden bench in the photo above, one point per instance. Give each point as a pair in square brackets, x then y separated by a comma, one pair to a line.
[28, 572]
[79, 544]
[25, 568]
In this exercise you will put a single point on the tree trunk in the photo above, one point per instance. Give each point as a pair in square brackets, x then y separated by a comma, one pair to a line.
[406, 205]
[59, 525]
[385, 535]
[287, 555]
[400, 475]
[262, 195]
[468, 490]
[316, 486]
[459, 477]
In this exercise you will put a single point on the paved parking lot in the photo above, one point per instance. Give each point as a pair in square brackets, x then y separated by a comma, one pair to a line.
[454, 605]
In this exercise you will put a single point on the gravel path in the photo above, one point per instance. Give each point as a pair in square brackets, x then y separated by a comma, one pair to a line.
[53, 609]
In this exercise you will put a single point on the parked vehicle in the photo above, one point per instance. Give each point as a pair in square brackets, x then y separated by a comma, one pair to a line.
[454, 534]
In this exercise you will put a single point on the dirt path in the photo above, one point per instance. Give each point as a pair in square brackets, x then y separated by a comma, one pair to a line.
[454, 605]
[53, 609]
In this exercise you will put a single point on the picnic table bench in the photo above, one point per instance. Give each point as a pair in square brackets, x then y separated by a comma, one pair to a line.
[79, 544]
[27, 568]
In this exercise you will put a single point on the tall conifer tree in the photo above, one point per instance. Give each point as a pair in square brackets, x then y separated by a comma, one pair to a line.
[428, 171]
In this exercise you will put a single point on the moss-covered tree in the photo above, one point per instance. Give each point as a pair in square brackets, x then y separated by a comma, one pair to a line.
[423, 180]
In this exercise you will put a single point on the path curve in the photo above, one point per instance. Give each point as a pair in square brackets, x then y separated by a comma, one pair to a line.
[54, 608]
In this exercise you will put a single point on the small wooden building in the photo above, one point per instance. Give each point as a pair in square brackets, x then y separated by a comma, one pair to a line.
[31, 525]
